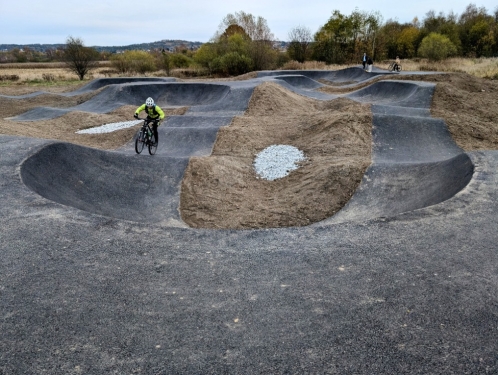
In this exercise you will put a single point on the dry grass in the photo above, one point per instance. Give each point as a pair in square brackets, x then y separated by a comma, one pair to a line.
[44, 65]
[38, 72]
[312, 65]
[27, 74]
[482, 67]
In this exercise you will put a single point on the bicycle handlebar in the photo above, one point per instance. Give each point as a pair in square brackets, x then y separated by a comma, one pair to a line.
[143, 119]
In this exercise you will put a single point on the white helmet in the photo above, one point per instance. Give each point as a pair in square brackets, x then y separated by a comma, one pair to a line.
[149, 102]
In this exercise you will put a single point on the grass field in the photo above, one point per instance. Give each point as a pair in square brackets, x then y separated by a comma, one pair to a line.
[46, 74]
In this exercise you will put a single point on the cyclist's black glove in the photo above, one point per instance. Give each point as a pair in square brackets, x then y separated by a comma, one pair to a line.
[135, 115]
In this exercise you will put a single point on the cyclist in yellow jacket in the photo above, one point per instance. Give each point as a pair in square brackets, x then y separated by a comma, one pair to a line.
[154, 114]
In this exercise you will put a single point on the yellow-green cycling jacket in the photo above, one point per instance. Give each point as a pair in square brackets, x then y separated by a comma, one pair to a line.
[152, 112]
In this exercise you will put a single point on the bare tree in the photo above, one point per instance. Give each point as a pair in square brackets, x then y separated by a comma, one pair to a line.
[78, 58]
[255, 27]
[300, 39]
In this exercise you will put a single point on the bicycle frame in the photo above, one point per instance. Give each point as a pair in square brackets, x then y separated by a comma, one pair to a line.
[145, 138]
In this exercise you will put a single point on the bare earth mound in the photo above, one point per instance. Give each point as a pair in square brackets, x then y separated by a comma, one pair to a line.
[223, 190]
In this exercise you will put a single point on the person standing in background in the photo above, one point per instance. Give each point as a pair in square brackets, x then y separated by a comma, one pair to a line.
[369, 64]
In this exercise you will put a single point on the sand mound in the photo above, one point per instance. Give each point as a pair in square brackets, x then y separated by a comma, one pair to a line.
[224, 191]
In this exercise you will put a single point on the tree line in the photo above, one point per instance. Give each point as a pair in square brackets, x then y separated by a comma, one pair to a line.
[245, 43]
[343, 38]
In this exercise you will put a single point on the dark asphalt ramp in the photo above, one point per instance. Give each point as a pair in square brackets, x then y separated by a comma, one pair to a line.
[415, 164]
[115, 96]
[396, 93]
[107, 183]
[407, 139]
[189, 121]
[390, 189]
[186, 142]
[102, 82]
[300, 81]
[95, 85]
[348, 75]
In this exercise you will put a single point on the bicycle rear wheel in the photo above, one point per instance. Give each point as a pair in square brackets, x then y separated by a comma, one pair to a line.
[139, 142]
[398, 68]
[152, 144]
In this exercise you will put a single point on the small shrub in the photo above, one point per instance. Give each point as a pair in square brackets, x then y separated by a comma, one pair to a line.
[282, 59]
[428, 68]
[179, 60]
[189, 72]
[109, 72]
[48, 77]
[492, 76]
[9, 77]
[317, 65]
[133, 61]
[235, 64]
[436, 47]
[292, 65]
[231, 64]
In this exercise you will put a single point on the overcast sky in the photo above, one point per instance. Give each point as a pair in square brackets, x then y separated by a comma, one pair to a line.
[124, 22]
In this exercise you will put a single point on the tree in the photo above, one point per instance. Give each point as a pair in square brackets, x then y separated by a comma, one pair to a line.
[441, 24]
[477, 32]
[389, 35]
[407, 42]
[300, 39]
[345, 38]
[436, 47]
[331, 41]
[256, 30]
[78, 58]
[206, 54]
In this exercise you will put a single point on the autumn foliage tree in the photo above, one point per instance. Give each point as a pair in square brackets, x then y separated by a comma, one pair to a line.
[241, 44]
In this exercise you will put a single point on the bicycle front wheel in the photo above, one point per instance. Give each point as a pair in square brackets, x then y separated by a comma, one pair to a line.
[152, 145]
[139, 142]
[398, 68]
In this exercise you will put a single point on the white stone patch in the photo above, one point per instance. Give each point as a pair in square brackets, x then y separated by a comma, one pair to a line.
[108, 128]
[277, 161]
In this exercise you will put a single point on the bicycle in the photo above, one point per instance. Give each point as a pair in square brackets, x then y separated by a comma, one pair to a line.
[145, 137]
[394, 67]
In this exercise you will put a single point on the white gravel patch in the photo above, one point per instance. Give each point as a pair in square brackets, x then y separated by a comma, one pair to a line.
[277, 161]
[109, 128]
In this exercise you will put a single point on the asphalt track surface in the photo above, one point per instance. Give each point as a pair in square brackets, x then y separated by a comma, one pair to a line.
[98, 274]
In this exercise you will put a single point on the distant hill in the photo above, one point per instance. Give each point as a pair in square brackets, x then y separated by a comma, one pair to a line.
[166, 44]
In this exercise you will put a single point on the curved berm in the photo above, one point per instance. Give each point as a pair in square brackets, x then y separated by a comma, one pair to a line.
[107, 183]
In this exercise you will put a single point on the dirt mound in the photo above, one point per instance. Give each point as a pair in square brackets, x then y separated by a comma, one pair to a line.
[223, 190]
[466, 103]
[469, 107]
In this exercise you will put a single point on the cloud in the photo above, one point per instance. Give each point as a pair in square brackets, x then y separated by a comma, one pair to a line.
[107, 23]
